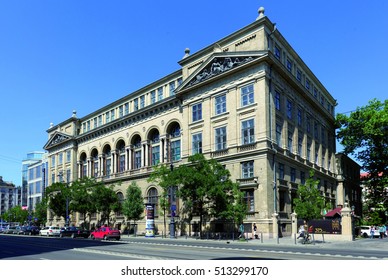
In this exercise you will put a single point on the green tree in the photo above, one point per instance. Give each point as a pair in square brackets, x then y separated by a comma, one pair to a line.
[204, 187]
[133, 206]
[105, 201]
[364, 134]
[57, 194]
[40, 212]
[81, 197]
[309, 203]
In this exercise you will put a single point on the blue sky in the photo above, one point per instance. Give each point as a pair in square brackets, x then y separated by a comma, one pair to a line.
[60, 56]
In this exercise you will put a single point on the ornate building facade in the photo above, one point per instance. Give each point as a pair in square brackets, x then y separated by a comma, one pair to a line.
[248, 101]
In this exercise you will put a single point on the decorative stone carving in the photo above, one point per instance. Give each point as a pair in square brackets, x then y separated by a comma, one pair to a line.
[219, 65]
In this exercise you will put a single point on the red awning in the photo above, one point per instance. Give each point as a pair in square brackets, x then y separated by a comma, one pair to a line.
[334, 212]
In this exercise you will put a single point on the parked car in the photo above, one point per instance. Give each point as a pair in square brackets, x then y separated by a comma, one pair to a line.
[364, 231]
[74, 232]
[106, 233]
[12, 230]
[29, 230]
[50, 231]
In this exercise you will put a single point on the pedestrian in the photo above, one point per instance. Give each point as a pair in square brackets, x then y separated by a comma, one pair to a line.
[301, 232]
[241, 230]
[382, 231]
[255, 231]
[372, 232]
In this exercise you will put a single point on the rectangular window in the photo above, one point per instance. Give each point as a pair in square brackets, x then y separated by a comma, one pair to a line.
[95, 123]
[315, 92]
[290, 137]
[308, 155]
[160, 93]
[38, 187]
[277, 51]
[220, 138]
[247, 95]
[68, 175]
[307, 84]
[248, 132]
[155, 155]
[60, 158]
[323, 158]
[107, 117]
[281, 171]
[31, 174]
[289, 65]
[302, 178]
[300, 143]
[277, 100]
[289, 109]
[176, 150]
[121, 111]
[298, 75]
[249, 200]
[84, 127]
[247, 169]
[142, 101]
[308, 124]
[100, 120]
[172, 88]
[137, 163]
[126, 108]
[122, 163]
[220, 104]
[136, 104]
[153, 97]
[53, 161]
[88, 125]
[316, 131]
[293, 174]
[197, 144]
[180, 81]
[300, 117]
[112, 115]
[197, 112]
[279, 134]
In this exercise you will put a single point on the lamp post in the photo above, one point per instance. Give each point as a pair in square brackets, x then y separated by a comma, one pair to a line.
[60, 175]
[353, 208]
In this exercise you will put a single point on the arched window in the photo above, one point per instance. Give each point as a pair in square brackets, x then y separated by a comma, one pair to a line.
[154, 138]
[107, 160]
[175, 142]
[153, 198]
[94, 156]
[136, 142]
[84, 165]
[120, 197]
[121, 158]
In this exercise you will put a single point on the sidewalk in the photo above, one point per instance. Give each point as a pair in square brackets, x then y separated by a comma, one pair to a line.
[358, 243]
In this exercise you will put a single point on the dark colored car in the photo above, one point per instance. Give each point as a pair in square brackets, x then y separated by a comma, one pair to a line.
[74, 232]
[29, 230]
[106, 233]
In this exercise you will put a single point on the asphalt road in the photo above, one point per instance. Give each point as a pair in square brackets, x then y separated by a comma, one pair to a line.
[15, 247]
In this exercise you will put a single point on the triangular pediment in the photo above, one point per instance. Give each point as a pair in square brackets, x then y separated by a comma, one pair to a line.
[219, 64]
[56, 138]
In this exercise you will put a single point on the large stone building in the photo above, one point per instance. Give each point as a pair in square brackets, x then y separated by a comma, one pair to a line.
[248, 101]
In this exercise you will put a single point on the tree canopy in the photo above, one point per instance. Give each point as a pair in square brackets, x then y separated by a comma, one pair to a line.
[133, 206]
[309, 202]
[364, 135]
[205, 188]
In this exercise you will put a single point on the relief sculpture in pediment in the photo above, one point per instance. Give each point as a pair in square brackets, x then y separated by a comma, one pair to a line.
[218, 66]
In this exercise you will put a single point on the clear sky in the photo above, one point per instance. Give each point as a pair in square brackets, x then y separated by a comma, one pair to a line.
[65, 55]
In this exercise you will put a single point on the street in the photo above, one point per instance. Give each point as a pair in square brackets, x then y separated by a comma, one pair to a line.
[14, 247]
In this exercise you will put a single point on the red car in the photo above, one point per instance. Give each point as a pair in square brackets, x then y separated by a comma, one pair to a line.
[106, 233]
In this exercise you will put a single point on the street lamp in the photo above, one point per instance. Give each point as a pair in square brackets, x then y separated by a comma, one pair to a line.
[60, 175]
